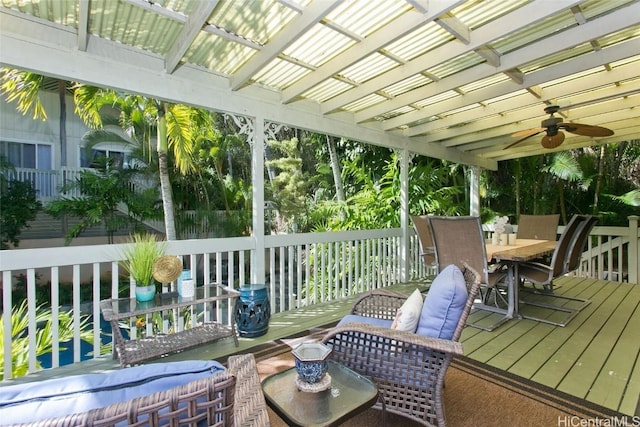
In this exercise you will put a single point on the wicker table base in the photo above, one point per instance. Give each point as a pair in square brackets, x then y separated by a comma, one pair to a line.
[134, 351]
[138, 350]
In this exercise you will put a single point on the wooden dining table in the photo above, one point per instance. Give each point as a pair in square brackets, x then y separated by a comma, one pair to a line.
[512, 256]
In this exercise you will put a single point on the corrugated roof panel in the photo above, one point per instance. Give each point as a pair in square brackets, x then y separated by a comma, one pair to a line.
[556, 58]
[408, 84]
[539, 30]
[438, 98]
[318, 45]
[489, 81]
[364, 17]
[366, 102]
[218, 54]
[593, 8]
[62, 12]
[258, 21]
[507, 96]
[424, 39]
[461, 110]
[571, 77]
[395, 113]
[327, 90]
[620, 36]
[480, 12]
[371, 66]
[279, 74]
[133, 26]
[626, 61]
[186, 7]
[459, 63]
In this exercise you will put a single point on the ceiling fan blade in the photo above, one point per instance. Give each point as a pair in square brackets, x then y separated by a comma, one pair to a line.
[552, 141]
[585, 130]
[528, 132]
[522, 139]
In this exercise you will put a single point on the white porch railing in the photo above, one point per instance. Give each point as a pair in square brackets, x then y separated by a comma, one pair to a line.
[47, 183]
[300, 270]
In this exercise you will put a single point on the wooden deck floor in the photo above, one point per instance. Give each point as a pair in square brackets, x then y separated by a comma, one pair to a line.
[595, 357]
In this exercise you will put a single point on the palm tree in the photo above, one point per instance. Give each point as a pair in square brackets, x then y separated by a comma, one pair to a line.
[174, 125]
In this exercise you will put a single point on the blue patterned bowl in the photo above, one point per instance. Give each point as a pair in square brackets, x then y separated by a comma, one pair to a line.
[311, 361]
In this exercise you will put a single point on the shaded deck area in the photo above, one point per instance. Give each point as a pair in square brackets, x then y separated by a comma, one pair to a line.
[595, 357]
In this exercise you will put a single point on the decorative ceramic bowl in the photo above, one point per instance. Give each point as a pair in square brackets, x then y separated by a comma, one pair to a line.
[311, 361]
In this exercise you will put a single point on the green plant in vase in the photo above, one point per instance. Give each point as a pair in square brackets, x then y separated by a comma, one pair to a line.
[139, 258]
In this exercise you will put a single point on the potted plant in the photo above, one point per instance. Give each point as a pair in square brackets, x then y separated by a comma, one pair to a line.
[139, 258]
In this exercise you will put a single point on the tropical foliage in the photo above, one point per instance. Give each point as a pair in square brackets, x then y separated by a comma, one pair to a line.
[18, 206]
[140, 255]
[105, 190]
[44, 335]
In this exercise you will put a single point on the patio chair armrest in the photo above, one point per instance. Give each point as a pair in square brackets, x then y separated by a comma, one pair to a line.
[381, 304]
[393, 337]
[249, 405]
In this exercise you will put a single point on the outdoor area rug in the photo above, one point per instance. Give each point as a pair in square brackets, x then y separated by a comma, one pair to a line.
[475, 395]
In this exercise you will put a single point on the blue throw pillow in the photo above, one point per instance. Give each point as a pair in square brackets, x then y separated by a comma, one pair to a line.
[443, 304]
[29, 402]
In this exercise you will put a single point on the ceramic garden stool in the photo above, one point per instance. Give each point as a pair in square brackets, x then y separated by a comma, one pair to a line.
[253, 310]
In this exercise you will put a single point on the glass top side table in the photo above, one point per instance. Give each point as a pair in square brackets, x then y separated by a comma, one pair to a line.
[350, 394]
[137, 350]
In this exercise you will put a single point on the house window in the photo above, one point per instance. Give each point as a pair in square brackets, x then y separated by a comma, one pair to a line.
[119, 159]
[25, 155]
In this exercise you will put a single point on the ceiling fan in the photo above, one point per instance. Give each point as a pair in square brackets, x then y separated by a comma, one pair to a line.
[552, 127]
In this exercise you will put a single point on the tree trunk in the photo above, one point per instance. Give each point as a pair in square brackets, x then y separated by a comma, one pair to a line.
[518, 176]
[335, 167]
[165, 183]
[62, 88]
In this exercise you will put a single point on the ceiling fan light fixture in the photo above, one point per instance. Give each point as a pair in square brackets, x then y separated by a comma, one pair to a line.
[552, 141]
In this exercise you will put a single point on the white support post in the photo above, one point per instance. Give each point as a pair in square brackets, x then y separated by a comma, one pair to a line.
[474, 191]
[403, 158]
[257, 180]
[634, 251]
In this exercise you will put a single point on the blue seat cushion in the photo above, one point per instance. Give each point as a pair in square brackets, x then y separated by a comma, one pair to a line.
[443, 304]
[363, 319]
[29, 402]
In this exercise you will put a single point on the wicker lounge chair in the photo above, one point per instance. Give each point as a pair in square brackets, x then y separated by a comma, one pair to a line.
[228, 398]
[539, 227]
[460, 239]
[408, 368]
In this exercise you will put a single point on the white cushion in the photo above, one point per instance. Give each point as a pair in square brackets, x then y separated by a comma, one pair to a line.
[408, 315]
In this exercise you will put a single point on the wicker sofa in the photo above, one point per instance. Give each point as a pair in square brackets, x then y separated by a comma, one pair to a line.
[231, 397]
[408, 367]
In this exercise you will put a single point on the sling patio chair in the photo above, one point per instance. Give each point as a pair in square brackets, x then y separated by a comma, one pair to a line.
[408, 365]
[577, 247]
[538, 227]
[459, 239]
[423, 231]
[571, 240]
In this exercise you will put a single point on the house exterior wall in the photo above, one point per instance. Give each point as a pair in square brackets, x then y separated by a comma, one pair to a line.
[15, 127]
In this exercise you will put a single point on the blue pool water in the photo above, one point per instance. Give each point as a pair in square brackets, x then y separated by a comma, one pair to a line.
[86, 349]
